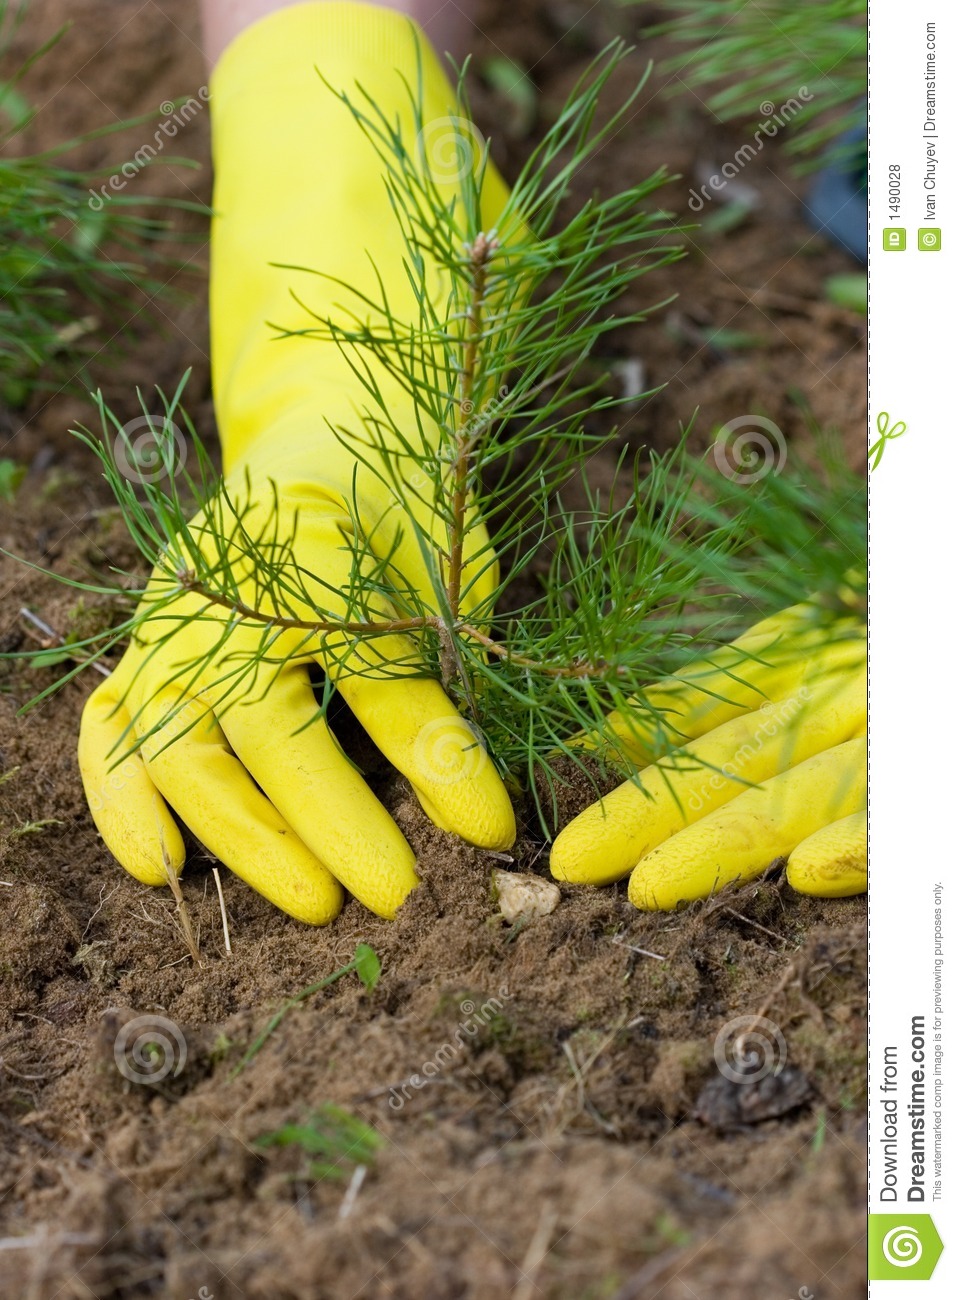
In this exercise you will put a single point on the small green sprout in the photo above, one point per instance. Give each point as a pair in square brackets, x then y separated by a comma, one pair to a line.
[333, 1140]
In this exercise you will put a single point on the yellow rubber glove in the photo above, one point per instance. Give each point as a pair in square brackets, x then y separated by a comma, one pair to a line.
[261, 783]
[761, 755]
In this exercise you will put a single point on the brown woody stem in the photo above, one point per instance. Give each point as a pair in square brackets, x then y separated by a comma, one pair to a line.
[188, 582]
[480, 253]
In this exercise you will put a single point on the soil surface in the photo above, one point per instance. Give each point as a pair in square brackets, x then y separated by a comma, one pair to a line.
[550, 1118]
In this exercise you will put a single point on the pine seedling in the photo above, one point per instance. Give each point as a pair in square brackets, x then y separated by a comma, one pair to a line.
[622, 590]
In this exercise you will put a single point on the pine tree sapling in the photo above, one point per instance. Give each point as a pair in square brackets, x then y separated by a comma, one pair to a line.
[453, 406]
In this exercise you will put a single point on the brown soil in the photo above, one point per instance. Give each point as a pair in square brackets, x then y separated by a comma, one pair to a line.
[575, 1138]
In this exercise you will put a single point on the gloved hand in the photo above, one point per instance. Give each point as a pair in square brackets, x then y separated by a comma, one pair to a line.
[752, 754]
[256, 777]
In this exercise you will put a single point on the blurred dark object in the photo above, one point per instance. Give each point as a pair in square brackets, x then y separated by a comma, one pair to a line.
[836, 204]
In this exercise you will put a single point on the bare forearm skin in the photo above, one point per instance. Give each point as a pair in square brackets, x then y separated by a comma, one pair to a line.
[445, 22]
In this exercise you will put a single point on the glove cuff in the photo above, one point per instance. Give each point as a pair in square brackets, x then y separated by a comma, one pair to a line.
[291, 42]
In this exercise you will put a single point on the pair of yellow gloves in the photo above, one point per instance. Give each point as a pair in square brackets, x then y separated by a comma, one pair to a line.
[773, 723]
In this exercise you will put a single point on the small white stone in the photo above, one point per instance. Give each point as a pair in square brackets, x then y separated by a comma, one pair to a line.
[524, 897]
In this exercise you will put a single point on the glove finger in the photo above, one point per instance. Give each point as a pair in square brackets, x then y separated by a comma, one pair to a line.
[764, 665]
[129, 813]
[215, 796]
[606, 841]
[420, 732]
[418, 729]
[832, 863]
[295, 759]
[737, 842]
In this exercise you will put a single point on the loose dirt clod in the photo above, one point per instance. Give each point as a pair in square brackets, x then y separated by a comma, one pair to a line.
[728, 1103]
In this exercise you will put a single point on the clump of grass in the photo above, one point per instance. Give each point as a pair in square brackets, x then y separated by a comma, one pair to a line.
[333, 1141]
[749, 53]
[11, 475]
[33, 828]
[60, 262]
